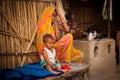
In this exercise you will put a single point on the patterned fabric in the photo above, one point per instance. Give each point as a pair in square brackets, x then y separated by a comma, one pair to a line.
[64, 47]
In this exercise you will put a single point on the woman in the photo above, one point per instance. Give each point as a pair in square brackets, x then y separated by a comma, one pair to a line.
[49, 24]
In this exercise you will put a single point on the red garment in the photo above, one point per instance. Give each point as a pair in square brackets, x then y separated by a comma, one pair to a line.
[67, 67]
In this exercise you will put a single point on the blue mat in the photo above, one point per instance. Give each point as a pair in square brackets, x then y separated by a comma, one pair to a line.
[27, 72]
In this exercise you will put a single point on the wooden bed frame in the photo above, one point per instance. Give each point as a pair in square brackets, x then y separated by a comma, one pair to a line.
[78, 71]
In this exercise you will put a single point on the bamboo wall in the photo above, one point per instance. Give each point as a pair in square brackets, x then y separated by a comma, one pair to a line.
[18, 19]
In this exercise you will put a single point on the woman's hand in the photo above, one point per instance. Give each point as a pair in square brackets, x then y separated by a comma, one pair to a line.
[54, 20]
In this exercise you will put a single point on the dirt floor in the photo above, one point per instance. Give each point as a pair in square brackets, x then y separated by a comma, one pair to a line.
[118, 72]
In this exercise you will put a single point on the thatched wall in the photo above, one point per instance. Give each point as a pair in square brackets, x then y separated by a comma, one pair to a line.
[18, 20]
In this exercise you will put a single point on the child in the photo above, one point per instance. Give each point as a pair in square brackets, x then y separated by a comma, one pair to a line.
[48, 56]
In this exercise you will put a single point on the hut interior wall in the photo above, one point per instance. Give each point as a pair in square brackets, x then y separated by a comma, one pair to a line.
[18, 20]
[89, 15]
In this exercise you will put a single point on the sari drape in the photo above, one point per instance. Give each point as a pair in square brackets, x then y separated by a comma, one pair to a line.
[64, 47]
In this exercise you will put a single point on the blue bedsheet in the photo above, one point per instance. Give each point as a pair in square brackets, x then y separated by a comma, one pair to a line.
[27, 72]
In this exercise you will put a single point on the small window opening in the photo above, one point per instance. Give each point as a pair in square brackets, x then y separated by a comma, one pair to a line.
[109, 48]
[95, 52]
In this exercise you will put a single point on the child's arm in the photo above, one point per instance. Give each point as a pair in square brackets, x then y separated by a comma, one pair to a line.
[57, 60]
[47, 60]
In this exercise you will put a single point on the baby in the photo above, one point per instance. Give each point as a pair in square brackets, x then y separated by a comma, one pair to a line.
[48, 56]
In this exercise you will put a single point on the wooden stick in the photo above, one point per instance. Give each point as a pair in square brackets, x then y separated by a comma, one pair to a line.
[109, 26]
[24, 58]
[104, 7]
[48, 1]
[19, 54]
[6, 44]
[4, 32]
[111, 9]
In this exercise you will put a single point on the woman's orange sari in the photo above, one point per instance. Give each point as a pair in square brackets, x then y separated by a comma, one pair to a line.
[64, 47]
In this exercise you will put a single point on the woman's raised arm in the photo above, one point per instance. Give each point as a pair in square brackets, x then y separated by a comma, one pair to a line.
[64, 23]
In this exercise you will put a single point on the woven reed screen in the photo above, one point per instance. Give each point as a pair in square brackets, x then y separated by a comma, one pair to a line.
[18, 19]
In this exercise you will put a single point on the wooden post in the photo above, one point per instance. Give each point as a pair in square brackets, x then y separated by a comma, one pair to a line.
[109, 19]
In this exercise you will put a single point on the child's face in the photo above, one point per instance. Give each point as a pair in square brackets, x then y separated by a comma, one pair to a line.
[49, 44]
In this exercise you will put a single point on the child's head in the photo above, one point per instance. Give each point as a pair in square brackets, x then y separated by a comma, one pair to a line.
[48, 40]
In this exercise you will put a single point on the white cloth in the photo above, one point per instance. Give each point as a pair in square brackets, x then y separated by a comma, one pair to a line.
[51, 55]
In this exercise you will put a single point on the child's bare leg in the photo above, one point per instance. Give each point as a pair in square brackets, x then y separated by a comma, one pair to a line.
[50, 69]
